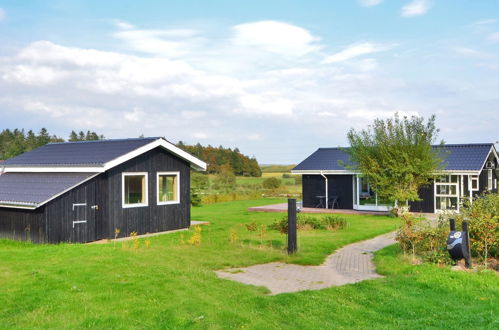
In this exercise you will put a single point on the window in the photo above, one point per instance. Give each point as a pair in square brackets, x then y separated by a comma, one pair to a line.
[168, 188]
[134, 189]
[447, 193]
[474, 183]
[489, 179]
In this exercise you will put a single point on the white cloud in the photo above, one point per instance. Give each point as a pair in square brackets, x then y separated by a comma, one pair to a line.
[486, 21]
[356, 50]
[416, 8]
[494, 37]
[370, 3]
[3, 14]
[275, 37]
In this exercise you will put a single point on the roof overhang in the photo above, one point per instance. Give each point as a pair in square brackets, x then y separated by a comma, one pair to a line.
[194, 162]
[346, 172]
[33, 206]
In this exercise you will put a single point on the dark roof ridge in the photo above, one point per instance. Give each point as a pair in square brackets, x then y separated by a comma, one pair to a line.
[110, 140]
[433, 145]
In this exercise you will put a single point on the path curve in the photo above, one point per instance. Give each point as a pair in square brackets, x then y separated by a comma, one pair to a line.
[350, 264]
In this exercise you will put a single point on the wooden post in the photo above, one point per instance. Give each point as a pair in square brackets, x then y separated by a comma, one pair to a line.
[467, 252]
[452, 223]
[292, 246]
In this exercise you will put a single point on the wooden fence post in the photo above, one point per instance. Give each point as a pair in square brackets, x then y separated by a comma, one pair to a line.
[292, 246]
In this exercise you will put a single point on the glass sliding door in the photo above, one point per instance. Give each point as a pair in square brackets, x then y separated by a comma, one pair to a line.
[366, 199]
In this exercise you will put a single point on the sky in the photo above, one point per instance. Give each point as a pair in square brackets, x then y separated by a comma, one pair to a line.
[277, 79]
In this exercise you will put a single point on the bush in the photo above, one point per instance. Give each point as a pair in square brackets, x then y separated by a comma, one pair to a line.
[298, 179]
[306, 222]
[483, 219]
[286, 176]
[334, 222]
[271, 183]
[420, 239]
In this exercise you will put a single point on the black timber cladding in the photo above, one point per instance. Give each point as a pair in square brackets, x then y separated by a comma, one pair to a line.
[53, 222]
[338, 185]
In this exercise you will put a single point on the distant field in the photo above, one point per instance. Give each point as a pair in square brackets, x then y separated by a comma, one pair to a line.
[288, 183]
[276, 168]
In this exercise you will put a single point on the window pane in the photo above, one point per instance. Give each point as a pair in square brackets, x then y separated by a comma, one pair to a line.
[446, 190]
[135, 189]
[167, 188]
[446, 203]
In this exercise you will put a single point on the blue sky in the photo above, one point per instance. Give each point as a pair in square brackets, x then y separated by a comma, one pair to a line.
[277, 79]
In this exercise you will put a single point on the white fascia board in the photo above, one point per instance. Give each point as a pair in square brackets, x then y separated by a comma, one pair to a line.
[196, 163]
[493, 151]
[17, 205]
[461, 172]
[319, 172]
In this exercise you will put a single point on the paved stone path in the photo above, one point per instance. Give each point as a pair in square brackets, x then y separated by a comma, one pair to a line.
[350, 264]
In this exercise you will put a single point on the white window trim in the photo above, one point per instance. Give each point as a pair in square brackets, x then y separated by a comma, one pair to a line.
[123, 175]
[177, 174]
[474, 178]
[489, 179]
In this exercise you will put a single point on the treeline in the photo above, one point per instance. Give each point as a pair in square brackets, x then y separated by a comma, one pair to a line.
[15, 142]
[218, 159]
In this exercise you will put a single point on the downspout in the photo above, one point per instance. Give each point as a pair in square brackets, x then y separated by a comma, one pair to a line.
[325, 177]
[2, 170]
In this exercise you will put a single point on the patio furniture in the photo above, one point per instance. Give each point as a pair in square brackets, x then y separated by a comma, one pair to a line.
[333, 200]
[321, 204]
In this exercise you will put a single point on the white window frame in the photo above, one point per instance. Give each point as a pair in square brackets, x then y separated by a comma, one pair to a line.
[489, 179]
[125, 174]
[177, 174]
[448, 183]
[474, 178]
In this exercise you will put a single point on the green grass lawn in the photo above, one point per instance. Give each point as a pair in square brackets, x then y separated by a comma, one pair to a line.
[172, 285]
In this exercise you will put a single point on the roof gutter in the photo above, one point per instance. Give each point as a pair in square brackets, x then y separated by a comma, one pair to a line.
[325, 178]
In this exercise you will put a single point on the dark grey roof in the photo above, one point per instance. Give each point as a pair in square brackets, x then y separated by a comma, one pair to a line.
[326, 159]
[83, 153]
[457, 157]
[31, 189]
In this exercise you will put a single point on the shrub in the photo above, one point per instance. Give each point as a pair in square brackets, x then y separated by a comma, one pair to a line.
[483, 218]
[286, 176]
[334, 222]
[271, 183]
[305, 222]
[252, 226]
[422, 240]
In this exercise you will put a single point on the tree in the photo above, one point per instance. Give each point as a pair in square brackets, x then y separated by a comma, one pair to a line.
[226, 179]
[396, 156]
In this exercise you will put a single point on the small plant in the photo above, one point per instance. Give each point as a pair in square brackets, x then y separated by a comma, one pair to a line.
[252, 226]
[233, 238]
[262, 233]
[147, 242]
[182, 241]
[196, 237]
[135, 239]
[334, 222]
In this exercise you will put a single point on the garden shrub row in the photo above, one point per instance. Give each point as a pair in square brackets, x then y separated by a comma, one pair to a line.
[306, 222]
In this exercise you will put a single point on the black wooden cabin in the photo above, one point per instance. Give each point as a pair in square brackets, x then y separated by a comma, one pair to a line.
[468, 171]
[86, 191]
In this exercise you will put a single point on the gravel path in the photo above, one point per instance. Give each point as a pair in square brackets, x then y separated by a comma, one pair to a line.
[350, 264]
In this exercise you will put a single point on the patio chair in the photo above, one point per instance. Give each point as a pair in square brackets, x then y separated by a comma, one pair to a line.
[333, 200]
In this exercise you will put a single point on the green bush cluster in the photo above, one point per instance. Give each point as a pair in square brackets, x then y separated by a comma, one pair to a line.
[430, 242]
[306, 222]
[421, 239]
[271, 183]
